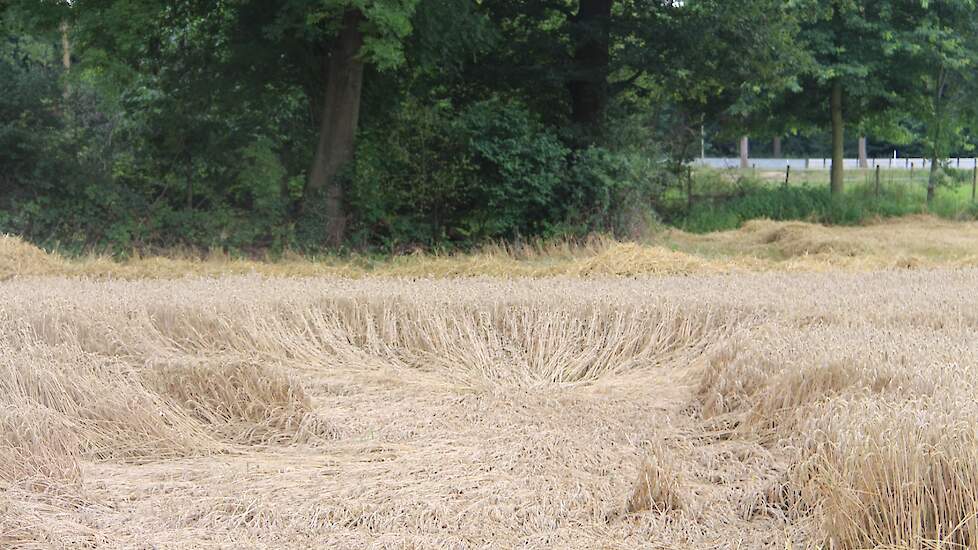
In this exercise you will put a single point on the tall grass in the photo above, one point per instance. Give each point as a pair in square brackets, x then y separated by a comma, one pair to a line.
[752, 198]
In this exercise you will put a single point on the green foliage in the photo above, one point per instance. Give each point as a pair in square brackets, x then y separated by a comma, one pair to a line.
[516, 165]
[816, 204]
[491, 171]
[186, 123]
[263, 188]
[486, 171]
[53, 186]
[613, 192]
[29, 87]
[776, 203]
[958, 176]
[938, 48]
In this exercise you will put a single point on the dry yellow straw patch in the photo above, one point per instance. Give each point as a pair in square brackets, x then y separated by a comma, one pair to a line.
[716, 407]
[913, 242]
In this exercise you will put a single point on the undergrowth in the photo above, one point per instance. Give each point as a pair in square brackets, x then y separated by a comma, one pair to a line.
[750, 198]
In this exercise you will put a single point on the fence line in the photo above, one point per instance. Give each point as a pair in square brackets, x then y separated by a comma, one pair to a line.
[826, 163]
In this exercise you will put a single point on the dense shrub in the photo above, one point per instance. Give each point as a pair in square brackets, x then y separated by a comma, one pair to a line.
[440, 174]
[491, 171]
[612, 192]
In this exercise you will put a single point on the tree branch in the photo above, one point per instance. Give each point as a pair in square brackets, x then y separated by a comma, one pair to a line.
[620, 86]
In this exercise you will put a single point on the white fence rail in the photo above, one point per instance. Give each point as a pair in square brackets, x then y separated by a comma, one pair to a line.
[825, 164]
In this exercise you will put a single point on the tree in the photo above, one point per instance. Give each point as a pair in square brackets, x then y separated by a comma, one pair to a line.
[938, 45]
[338, 123]
[850, 79]
[368, 31]
[724, 62]
[319, 46]
[574, 59]
[419, 121]
[590, 33]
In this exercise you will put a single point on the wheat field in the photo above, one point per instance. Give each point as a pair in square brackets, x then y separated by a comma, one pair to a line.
[781, 386]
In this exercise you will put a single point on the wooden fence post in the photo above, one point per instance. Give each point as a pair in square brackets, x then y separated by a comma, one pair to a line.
[787, 174]
[877, 181]
[974, 180]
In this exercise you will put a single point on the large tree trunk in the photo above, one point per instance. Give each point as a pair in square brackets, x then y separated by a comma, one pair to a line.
[776, 147]
[341, 109]
[588, 84]
[838, 134]
[863, 159]
[744, 152]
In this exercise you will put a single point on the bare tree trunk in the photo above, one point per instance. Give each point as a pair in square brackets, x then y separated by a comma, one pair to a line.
[776, 147]
[190, 181]
[341, 111]
[932, 178]
[838, 133]
[702, 141]
[863, 160]
[65, 54]
[744, 152]
[937, 134]
[588, 84]
[65, 46]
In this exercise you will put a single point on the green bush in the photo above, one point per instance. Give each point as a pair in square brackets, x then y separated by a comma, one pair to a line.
[438, 174]
[491, 171]
[611, 192]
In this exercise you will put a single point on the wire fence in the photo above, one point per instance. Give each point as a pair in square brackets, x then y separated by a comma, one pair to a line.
[878, 175]
[722, 163]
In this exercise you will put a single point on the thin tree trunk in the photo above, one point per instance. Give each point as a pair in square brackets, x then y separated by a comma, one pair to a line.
[932, 178]
[341, 110]
[863, 157]
[702, 141]
[744, 152]
[776, 147]
[588, 84]
[838, 134]
[65, 46]
[190, 181]
[937, 135]
[65, 54]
